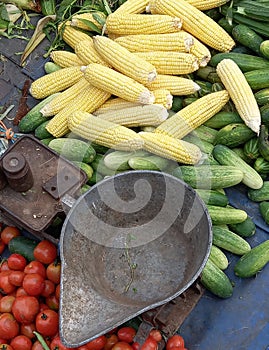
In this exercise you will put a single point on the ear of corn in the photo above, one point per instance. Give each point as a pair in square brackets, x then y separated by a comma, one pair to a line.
[137, 116]
[241, 93]
[206, 5]
[124, 24]
[115, 104]
[89, 99]
[117, 84]
[132, 6]
[195, 22]
[65, 58]
[55, 81]
[87, 53]
[180, 41]
[104, 132]
[163, 97]
[171, 148]
[80, 20]
[171, 62]
[124, 61]
[72, 36]
[194, 115]
[199, 50]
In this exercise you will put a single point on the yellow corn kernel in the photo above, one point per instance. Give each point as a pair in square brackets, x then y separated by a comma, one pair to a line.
[180, 41]
[60, 101]
[65, 58]
[195, 22]
[193, 115]
[104, 132]
[240, 92]
[55, 81]
[89, 99]
[126, 24]
[171, 148]
[171, 62]
[132, 6]
[137, 116]
[163, 97]
[115, 104]
[205, 4]
[124, 61]
[85, 50]
[176, 85]
[71, 36]
[118, 84]
[80, 20]
[199, 50]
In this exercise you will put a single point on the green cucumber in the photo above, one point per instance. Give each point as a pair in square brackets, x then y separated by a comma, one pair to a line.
[251, 148]
[148, 163]
[34, 118]
[222, 119]
[226, 156]
[264, 210]
[205, 133]
[209, 176]
[254, 261]
[216, 281]
[73, 149]
[258, 78]
[261, 165]
[247, 228]
[247, 37]
[118, 160]
[205, 147]
[47, 140]
[242, 49]
[50, 67]
[99, 166]
[96, 177]
[99, 148]
[262, 96]
[225, 24]
[265, 114]
[177, 103]
[41, 132]
[24, 246]
[264, 48]
[233, 135]
[86, 168]
[264, 141]
[240, 152]
[208, 159]
[261, 194]
[213, 197]
[218, 257]
[225, 215]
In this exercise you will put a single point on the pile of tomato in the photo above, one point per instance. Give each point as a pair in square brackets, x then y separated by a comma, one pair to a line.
[29, 304]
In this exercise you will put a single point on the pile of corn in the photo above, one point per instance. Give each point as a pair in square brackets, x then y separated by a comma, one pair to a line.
[127, 78]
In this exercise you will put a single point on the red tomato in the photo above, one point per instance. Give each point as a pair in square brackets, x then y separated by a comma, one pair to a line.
[111, 341]
[2, 246]
[53, 302]
[3, 341]
[6, 303]
[33, 284]
[6, 347]
[25, 308]
[37, 346]
[9, 327]
[49, 288]
[21, 342]
[135, 345]
[16, 278]
[42, 307]
[53, 271]
[20, 292]
[4, 266]
[56, 344]
[5, 285]
[149, 344]
[175, 341]
[8, 233]
[126, 334]
[122, 345]
[57, 291]
[45, 252]
[16, 262]
[47, 322]
[97, 343]
[156, 334]
[36, 267]
[27, 330]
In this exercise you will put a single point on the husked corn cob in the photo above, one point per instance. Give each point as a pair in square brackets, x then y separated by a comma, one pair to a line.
[118, 84]
[171, 62]
[80, 20]
[65, 58]
[195, 22]
[193, 115]
[85, 50]
[132, 6]
[124, 24]
[176, 85]
[163, 97]
[240, 92]
[115, 104]
[55, 82]
[199, 50]
[89, 99]
[205, 4]
[60, 101]
[180, 41]
[137, 116]
[171, 148]
[104, 132]
[72, 36]
[124, 61]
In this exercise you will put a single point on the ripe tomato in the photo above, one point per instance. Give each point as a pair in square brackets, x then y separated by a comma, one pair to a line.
[25, 308]
[52, 302]
[126, 334]
[9, 327]
[2, 246]
[37, 346]
[5, 285]
[16, 278]
[121, 345]
[4, 266]
[20, 292]
[49, 288]
[57, 291]
[42, 307]
[33, 284]
[175, 341]
[47, 322]
[97, 343]
[149, 344]
[53, 272]
[36, 267]
[8, 233]
[111, 340]
[16, 262]
[135, 345]
[3, 341]
[56, 344]
[156, 334]
[21, 342]
[6, 303]
[6, 347]
[45, 252]
[27, 330]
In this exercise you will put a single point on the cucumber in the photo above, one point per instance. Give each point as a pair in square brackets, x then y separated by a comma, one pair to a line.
[216, 281]
[254, 261]
[240, 152]
[261, 194]
[118, 160]
[247, 228]
[242, 49]
[99, 166]
[24, 246]
[50, 67]
[251, 148]
[177, 103]
[222, 119]
[264, 49]
[265, 114]
[205, 133]
[209, 177]
[225, 215]
[253, 9]
[99, 148]
[262, 96]
[41, 132]
[96, 177]
[261, 165]
[208, 159]
[34, 118]
[213, 197]
[84, 189]
[233, 135]
[226, 156]
[258, 79]
[247, 37]
[205, 147]
[218, 257]
[86, 168]
[148, 163]
[264, 141]
[47, 140]
[73, 149]
[225, 24]
[264, 210]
